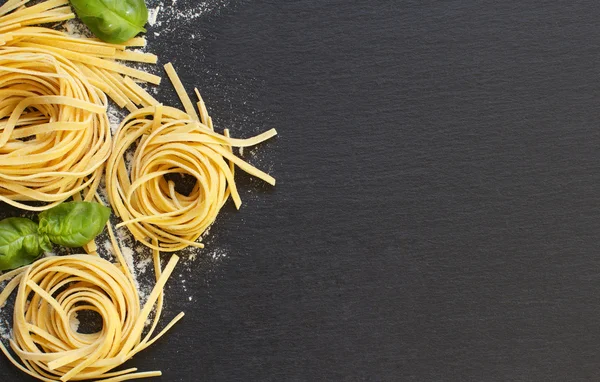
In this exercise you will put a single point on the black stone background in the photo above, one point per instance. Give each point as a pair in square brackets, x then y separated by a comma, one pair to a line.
[437, 214]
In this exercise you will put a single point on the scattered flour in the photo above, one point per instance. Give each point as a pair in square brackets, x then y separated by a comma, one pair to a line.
[165, 16]
[129, 158]
[128, 256]
[152, 15]
[74, 322]
[76, 28]
[218, 254]
[5, 331]
[115, 117]
[143, 264]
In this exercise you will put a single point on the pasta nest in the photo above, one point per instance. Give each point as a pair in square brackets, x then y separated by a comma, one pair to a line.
[168, 142]
[53, 291]
[54, 131]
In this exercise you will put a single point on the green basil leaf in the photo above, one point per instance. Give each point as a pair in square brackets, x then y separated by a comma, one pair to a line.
[19, 244]
[73, 224]
[113, 21]
[45, 242]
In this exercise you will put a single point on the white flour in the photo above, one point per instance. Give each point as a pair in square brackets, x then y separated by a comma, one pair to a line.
[152, 15]
[115, 116]
[218, 254]
[76, 28]
[5, 331]
[74, 322]
[143, 264]
[166, 16]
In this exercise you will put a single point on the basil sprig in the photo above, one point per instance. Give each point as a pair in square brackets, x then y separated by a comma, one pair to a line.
[71, 224]
[113, 21]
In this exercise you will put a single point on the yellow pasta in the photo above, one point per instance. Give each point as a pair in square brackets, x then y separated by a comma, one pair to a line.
[56, 144]
[169, 141]
[51, 291]
[54, 131]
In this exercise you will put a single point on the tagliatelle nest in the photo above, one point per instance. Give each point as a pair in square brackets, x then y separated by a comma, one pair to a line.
[169, 141]
[53, 290]
[54, 132]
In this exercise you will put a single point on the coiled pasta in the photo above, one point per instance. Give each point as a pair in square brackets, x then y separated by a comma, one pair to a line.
[169, 141]
[51, 291]
[54, 132]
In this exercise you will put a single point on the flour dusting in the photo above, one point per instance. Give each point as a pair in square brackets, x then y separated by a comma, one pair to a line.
[74, 322]
[115, 116]
[76, 28]
[152, 15]
[166, 16]
[143, 264]
[5, 331]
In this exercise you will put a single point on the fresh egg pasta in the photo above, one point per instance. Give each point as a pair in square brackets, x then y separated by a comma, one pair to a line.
[51, 291]
[169, 141]
[54, 131]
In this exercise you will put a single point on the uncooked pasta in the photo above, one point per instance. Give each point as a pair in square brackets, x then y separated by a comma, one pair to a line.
[53, 290]
[167, 142]
[54, 131]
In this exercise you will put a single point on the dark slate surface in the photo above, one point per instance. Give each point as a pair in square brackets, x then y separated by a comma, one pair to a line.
[437, 213]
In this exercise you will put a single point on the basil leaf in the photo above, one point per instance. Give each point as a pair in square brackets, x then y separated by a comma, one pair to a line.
[113, 21]
[19, 244]
[45, 243]
[73, 224]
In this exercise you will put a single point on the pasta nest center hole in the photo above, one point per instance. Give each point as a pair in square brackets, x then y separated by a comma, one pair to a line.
[87, 320]
[185, 184]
